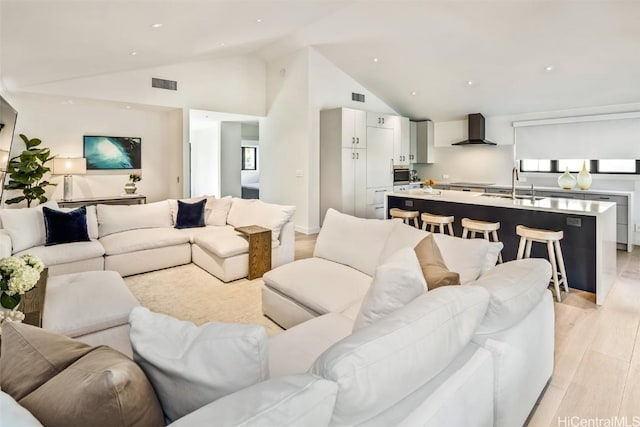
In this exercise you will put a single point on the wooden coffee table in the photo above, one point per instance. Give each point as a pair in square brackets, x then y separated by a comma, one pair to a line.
[259, 249]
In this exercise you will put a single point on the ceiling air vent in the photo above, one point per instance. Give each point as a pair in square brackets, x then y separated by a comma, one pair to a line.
[164, 84]
[357, 97]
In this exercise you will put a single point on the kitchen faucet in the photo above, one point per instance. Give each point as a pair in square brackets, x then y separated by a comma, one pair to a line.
[514, 177]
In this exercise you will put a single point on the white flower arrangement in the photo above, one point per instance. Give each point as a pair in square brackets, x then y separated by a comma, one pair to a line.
[18, 274]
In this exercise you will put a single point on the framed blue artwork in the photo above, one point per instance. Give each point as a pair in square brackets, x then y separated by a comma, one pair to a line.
[112, 152]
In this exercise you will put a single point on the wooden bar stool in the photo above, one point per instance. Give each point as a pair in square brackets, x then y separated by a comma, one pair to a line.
[487, 229]
[406, 216]
[435, 221]
[552, 240]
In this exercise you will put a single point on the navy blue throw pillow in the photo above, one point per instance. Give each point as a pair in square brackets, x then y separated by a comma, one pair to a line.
[65, 227]
[190, 215]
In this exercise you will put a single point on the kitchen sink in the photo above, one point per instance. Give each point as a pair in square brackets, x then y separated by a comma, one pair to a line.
[508, 196]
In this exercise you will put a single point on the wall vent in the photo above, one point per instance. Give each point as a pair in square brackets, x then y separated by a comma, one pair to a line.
[357, 97]
[164, 84]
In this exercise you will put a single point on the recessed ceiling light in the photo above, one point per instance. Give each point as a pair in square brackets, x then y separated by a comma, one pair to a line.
[128, 107]
[258, 20]
[470, 82]
[414, 93]
[375, 59]
[68, 101]
[222, 44]
[156, 25]
[548, 68]
[134, 53]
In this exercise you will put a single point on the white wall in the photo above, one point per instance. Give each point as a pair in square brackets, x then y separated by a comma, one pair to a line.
[230, 158]
[61, 128]
[234, 84]
[205, 160]
[289, 140]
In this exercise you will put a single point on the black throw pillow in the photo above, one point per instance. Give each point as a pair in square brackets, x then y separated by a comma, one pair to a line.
[190, 215]
[65, 227]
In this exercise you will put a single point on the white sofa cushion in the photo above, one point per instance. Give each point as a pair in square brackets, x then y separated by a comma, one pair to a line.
[396, 283]
[117, 218]
[298, 400]
[352, 241]
[468, 257]
[515, 288]
[207, 232]
[402, 236]
[294, 350]
[26, 226]
[218, 211]
[321, 285]
[190, 366]
[66, 252]
[139, 240]
[256, 212]
[377, 366]
[224, 245]
[14, 415]
[81, 303]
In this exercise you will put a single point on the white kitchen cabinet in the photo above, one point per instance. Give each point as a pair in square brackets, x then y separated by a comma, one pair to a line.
[421, 142]
[402, 142]
[379, 157]
[381, 120]
[343, 170]
[354, 127]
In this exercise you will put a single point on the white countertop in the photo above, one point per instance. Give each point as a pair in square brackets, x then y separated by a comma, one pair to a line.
[547, 204]
[523, 186]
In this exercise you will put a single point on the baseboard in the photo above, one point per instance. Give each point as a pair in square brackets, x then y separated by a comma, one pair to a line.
[307, 230]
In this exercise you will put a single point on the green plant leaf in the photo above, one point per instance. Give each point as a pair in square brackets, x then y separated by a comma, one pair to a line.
[9, 302]
[15, 200]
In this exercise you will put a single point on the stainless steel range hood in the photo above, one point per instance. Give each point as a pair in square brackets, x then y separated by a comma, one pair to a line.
[476, 131]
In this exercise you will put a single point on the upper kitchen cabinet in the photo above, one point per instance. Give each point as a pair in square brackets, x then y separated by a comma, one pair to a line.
[401, 142]
[354, 127]
[381, 120]
[421, 142]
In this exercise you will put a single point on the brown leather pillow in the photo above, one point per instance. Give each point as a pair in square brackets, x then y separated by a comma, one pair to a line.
[64, 382]
[433, 267]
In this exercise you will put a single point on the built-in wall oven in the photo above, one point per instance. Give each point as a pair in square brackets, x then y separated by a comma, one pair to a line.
[401, 176]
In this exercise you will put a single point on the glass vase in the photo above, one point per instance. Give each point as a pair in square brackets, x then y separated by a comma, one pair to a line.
[566, 180]
[584, 177]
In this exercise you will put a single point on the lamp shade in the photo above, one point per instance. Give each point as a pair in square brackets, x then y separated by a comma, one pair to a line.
[69, 166]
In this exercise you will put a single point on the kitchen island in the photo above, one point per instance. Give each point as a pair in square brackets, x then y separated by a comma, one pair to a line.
[589, 227]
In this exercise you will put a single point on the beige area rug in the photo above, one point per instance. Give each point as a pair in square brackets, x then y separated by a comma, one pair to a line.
[189, 293]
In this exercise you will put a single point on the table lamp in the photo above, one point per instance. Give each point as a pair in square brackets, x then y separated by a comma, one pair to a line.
[69, 166]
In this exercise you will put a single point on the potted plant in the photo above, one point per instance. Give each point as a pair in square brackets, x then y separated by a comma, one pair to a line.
[130, 187]
[26, 172]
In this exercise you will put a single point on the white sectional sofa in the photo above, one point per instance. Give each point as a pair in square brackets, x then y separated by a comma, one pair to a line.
[140, 238]
[504, 364]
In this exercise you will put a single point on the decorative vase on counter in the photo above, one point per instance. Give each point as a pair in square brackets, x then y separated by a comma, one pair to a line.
[130, 188]
[566, 180]
[584, 177]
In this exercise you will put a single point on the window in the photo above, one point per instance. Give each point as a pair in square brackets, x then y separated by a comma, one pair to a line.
[248, 158]
[609, 166]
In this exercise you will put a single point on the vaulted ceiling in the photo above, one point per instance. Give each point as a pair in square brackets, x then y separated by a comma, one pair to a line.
[435, 59]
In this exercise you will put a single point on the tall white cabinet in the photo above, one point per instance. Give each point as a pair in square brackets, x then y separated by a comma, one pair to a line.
[357, 155]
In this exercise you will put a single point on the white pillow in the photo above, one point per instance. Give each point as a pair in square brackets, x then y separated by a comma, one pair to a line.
[295, 400]
[468, 257]
[14, 415]
[92, 220]
[190, 366]
[396, 283]
[402, 236]
[256, 212]
[376, 367]
[355, 242]
[26, 226]
[219, 210]
[117, 218]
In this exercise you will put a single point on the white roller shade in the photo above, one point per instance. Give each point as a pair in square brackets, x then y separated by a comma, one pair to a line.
[608, 136]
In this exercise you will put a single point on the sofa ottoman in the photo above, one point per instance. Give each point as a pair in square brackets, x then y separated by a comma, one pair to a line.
[91, 306]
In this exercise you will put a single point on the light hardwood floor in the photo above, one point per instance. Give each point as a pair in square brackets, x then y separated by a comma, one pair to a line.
[597, 351]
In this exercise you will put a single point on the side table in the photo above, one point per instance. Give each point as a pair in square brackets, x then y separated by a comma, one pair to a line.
[32, 303]
[259, 249]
